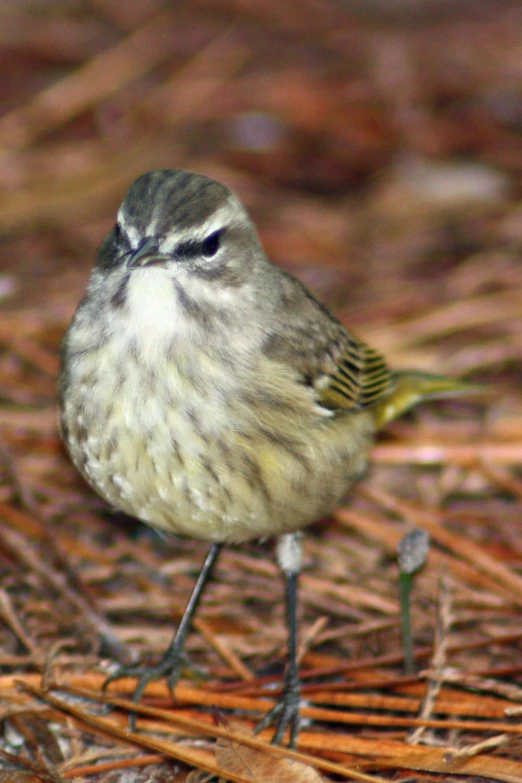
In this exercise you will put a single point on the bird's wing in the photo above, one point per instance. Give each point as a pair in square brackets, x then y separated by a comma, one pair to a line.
[343, 371]
[360, 378]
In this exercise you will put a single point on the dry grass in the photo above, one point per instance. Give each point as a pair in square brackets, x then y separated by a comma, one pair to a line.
[380, 155]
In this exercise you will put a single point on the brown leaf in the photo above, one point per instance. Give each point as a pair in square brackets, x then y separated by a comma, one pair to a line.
[261, 765]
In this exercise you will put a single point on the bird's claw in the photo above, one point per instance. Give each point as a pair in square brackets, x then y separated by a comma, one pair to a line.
[285, 714]
[168, 669]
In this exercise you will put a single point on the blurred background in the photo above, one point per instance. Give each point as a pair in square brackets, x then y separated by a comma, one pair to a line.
[378, 146]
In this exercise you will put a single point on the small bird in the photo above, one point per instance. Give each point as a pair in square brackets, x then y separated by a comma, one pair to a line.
[206, 392]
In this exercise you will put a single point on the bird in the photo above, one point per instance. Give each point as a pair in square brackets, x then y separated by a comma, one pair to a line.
[206, 392]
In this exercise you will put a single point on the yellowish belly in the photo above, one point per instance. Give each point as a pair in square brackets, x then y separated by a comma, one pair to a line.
[222, 467]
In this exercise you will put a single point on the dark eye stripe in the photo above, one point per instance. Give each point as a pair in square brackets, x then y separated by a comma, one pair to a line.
[207, 248]
[187, 250]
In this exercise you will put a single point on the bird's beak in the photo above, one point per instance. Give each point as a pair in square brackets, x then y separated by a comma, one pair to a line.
[148, 255]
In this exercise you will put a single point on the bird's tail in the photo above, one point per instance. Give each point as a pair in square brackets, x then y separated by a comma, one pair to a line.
[412, 387]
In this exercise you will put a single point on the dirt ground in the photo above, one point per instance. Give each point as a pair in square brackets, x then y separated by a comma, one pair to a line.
[378, 147]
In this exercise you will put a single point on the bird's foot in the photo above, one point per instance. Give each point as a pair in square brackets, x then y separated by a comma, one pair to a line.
[168, 668]
[285, 714]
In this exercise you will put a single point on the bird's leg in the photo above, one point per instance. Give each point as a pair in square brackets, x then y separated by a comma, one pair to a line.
[170, 664]
[286, 712]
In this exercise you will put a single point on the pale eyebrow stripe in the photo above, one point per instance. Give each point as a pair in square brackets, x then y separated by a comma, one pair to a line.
[133, 235]
[221, 219]
[224, 216]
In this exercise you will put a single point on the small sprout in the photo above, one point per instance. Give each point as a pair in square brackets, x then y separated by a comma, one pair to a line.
[412, 550]
[411, 554]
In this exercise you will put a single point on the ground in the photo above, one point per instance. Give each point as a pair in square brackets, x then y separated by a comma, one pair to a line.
[378, 147]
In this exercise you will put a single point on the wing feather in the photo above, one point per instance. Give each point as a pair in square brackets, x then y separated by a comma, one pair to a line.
[344, 371]
[360, 378]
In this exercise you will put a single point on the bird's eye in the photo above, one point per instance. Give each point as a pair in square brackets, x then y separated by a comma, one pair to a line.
[212, 243]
